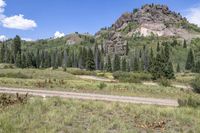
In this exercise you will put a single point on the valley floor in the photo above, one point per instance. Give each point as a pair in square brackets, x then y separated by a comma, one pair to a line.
[72, 115]
[56, 115]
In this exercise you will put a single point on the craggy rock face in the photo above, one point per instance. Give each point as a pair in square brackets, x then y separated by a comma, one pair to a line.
[150, 19]
[153, 18]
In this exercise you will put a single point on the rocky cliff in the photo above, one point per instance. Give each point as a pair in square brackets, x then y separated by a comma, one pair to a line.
[157, 20]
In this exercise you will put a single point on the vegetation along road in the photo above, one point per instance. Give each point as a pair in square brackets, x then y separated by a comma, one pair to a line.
[88, 96]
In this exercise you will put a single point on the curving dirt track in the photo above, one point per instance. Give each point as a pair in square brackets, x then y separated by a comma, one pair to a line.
[89, 96]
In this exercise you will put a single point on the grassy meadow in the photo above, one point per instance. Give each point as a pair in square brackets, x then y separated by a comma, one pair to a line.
[68, 81]
[49, 115]
[74, 116]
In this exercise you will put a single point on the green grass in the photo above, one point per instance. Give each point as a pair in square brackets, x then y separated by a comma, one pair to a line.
[74, 116]
[58, 80]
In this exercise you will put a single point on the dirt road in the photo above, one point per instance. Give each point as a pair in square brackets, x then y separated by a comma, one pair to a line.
[88, 96]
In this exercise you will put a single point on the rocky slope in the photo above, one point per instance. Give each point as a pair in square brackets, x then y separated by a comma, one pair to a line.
[157, 20]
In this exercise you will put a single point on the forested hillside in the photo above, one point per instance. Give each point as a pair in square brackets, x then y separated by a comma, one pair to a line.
[121, 47]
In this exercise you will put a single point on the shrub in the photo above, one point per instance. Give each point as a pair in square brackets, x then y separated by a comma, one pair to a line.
[15, 75]
[132, 77]
[189, 101]
[102, 85]
[196, 84]
[80, 72]
[165, 82]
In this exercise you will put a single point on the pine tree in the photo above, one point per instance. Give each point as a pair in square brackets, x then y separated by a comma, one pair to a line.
[158, 47]
[185, 44]
[127, 49]
[167, 53]
[169, 71]
[65, 59]
[124, 64]
[90, 64]
[37, 57]
[190, 61]
[151, 60]
[18, 60]
[197, 67]
[56, 63]
[16, 46]
[128, 66]
[178, 69]
[136, 64]
[158, 67]
[116, 63]
[2, 54]
[109, 65]
[97, 57]
[23, 61]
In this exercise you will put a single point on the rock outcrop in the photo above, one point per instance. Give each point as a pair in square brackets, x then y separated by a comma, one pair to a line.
[157, 20]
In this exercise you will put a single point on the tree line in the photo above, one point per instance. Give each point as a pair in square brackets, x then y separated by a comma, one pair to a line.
[158, 62]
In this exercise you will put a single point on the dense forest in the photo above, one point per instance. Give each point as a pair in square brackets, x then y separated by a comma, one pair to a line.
[158, 61]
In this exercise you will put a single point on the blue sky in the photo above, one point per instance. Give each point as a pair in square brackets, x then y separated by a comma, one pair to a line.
[42, 18]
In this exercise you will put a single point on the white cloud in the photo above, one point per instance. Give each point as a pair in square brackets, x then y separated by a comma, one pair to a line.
[2, 5]
[193, 15]
[27, 39]
[58, 34]
[16, 21]
[3, 38]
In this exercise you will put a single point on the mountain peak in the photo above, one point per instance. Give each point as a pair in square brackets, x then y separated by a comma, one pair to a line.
[155, 19]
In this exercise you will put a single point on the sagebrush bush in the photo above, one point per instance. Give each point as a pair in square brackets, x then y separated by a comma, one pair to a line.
[165, 82]
[189, 101]
[132, 77]
[80, 72]
[102, 85]
[15, 75]
[196, 84]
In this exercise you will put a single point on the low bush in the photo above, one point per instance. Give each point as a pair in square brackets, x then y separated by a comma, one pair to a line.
[7, 100]
[131, 77]
[15, 75]
[80, 72]
[196, 84]
[165, 82]
[189, 101]
[102, 85]
[7, 66]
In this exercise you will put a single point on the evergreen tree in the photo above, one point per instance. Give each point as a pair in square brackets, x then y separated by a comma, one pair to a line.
[174, 43]
[185, 44]
[190, 61]
[128, 66]
[136, 66]
[37, 57]
[158, 47]
[18, 60]
[169, 71]
[167, 53]
[2, 54]
[151, 60]
[124, 64]
[16, 46]
[90, 64]
[109, 64]
[178, 69]
[127, 49]
[116, 63]
[56, 63]
[97, 57]
[65, 59]
[158, 67]
[197, 67]
[23, 61]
